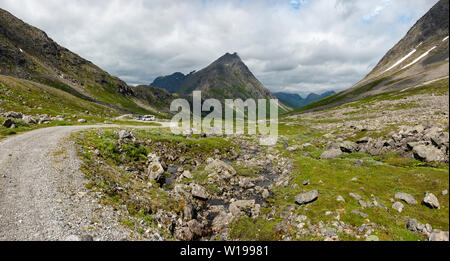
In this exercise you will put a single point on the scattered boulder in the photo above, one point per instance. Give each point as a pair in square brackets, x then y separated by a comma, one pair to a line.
[340, 199]
[8, 123]
[348, 146]
[406, 198]
[125, 135]
[246, 183]
[431, 201]
[13, 114]
[197, 229]
[293, 148]
[221, 221]
[428, 142]
[364, 204]
[187, 174]
[265, 194]
[359, 213]
[355, 196]
[372, 238]
[29, 120]
[331, 154]
[184, 234]
[248, 208]
[428, 153]
[221, 167]
[398, 206]
[412, 225]
[363, 140]
[82, 121]
[440, 139]
[307, 198]
[155, 171]
[188, 212]
[438, 235]
[199, 192]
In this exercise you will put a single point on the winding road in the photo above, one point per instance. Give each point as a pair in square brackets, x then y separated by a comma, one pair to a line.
[42, 192]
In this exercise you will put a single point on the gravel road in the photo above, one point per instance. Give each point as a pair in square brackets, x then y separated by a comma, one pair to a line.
[43, 195]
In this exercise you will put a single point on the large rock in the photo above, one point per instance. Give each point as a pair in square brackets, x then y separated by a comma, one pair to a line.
[406, 197]
[13, 114]
[199, 192]
[293, 148]
[440, 139]
[29, 120]
[428, 153]
[438, 235]
[221, 222]
[184, 234]
[431, 201]
[355, 196]
[331, 154]
[220, 167]
[398, 206]
[8, 123]
[412, 225]
[188, 212]
[155, 171]
[196, 228]
[124, 135]
[187, 174]
[348, 146]
[245, 208]
[181, 190]
[307, 198]
[363, 140]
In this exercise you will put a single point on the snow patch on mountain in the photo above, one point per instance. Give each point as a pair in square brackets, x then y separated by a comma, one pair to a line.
[401, 60]
[419, 58]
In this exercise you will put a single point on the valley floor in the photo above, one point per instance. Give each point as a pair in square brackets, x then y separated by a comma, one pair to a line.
[376, 169]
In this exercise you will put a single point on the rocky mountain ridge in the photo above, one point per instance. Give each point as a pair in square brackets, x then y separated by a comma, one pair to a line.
[421, 57]
[227, 77]
[28, 53]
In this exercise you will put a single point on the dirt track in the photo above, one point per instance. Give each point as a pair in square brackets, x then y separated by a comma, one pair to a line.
[42, 192]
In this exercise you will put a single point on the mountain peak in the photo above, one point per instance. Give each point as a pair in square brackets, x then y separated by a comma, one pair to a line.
[229, 58]
[227, 77]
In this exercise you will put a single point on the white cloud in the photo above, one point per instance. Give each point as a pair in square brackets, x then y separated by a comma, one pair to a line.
[321, 45]
[377, 11]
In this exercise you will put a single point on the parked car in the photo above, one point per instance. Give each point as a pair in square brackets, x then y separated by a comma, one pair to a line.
[146, 118]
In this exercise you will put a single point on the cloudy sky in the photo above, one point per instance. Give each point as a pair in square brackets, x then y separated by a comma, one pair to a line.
[299, 46]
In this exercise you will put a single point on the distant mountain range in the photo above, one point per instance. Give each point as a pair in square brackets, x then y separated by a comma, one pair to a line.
[295, 101]
[171, 83]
